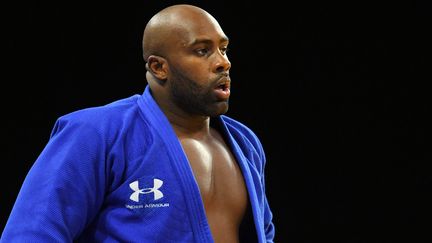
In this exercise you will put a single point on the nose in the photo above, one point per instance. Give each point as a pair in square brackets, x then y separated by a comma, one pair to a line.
[222, 63]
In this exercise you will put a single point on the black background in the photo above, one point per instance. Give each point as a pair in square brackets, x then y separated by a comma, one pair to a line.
[337, 92]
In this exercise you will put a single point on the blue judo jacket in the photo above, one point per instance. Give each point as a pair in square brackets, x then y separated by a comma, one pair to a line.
[118, 173]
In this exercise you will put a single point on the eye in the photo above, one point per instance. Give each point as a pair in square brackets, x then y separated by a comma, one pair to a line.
[202, 51]
[224, 50]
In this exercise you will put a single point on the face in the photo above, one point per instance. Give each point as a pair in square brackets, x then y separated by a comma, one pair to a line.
[198, 76]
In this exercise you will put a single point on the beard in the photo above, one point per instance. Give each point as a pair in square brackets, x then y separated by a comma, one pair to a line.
[194, 98]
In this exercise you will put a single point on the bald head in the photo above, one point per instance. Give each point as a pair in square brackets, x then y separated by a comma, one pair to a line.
[172, 24]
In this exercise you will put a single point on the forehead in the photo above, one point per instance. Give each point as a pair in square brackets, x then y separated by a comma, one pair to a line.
[199, 26]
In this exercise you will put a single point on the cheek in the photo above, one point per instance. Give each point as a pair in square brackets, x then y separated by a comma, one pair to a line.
[190, 75]
[194, 68]
[187, 69]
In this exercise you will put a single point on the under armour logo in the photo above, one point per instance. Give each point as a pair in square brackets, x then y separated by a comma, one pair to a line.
[155, 190]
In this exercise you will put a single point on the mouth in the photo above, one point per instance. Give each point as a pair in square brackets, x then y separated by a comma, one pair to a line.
[224, 84]
[222, 88]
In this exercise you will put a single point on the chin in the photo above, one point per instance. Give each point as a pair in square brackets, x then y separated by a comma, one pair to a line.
[220, 109]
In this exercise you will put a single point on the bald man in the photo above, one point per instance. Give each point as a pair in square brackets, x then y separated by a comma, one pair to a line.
[163, 166]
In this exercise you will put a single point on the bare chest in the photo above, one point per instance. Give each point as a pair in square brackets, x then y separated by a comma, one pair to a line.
[216, 171]
[221, 185]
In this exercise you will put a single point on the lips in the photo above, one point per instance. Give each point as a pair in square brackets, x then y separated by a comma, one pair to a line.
[224, 84]
[222, 88]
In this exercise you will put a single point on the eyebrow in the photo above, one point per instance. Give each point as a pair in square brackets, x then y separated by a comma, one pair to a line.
[208, 41]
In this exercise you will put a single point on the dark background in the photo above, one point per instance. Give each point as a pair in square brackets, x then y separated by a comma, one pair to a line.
[336, 92]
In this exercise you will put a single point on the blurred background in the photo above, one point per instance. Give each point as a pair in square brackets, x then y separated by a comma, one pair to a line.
[337, 92]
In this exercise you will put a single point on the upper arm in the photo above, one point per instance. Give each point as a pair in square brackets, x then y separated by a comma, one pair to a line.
[64, 188]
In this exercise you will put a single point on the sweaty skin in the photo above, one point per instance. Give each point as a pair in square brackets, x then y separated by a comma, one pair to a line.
[188, 73]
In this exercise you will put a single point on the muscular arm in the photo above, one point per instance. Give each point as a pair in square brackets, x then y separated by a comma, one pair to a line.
[62, 191]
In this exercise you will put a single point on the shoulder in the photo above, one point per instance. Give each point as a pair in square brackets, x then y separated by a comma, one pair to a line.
[238, 126]
[100, 119]
[243, 134]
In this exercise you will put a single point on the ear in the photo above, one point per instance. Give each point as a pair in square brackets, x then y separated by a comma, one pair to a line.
[157, 66]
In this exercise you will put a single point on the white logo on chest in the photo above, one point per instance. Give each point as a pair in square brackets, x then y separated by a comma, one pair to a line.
[157, 194]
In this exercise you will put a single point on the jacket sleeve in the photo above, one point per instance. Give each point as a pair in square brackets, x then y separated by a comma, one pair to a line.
[269, 227]
[249, 141]
[268, 223]
[261, 160]
[64, 188]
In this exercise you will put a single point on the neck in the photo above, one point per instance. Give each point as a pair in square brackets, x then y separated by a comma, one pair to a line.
[190, 126]
[184, 123]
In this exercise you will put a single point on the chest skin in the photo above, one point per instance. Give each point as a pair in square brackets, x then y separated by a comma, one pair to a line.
[221, 184]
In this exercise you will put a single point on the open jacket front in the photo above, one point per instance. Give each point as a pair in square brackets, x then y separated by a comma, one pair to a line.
[118, 173]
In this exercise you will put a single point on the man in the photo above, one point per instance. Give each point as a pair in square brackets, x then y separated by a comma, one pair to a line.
[165, 166]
